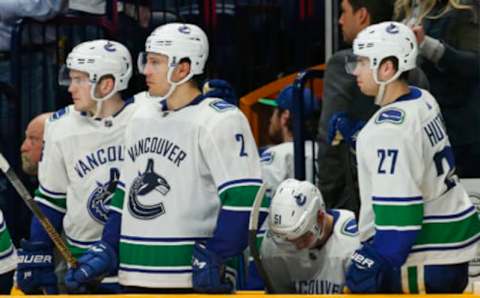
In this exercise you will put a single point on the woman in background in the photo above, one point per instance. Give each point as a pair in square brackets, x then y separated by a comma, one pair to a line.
[448, 35]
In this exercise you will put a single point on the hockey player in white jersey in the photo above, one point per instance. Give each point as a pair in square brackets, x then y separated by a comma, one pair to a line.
[8, 258]
[189, 179]
[417, 225]
[307, 249]
[82, 153]
[278, 161]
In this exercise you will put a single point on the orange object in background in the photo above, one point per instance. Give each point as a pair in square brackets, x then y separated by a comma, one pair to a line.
[259, 115]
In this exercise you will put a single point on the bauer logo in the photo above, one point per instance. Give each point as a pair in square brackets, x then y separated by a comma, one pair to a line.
[100, 198]
[147, 185]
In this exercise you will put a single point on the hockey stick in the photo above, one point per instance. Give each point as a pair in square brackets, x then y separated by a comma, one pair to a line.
[252, 237]
[27, 198]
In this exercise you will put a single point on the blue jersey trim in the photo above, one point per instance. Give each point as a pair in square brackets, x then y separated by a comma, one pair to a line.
[8, 254]
[126, 103]
[239, 181]
[78, 242]
[397, 199]
[53, 193]
[447, 247]
[143, 239]
[414, 93]
[155, 270]
[460, 214]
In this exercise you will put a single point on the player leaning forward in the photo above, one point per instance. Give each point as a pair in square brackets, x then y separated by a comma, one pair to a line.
[190, 175]
[417, 224]
[82, 153]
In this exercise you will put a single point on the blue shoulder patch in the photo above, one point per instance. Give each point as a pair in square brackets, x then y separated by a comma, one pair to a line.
[391, 115]
[59, 114]
[267, 157]
[221, 105]
[350, 228]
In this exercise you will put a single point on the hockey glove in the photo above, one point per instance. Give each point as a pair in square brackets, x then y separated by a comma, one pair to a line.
[221, 89]
[208, 272]
[366, 272]
[340, 127]
[99, 260]
[35, 268]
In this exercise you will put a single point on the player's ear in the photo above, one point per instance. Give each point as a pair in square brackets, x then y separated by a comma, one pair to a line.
[386, 70]
[182, 70]
[285, 117]
[104, 86]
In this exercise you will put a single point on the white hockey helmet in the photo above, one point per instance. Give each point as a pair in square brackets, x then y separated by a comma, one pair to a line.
[98, 58]
[177, 41]
[383, 40]
[294, 209]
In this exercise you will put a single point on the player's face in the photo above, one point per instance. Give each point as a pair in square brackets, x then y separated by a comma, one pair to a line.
[364, 75]
[31, 148]
[307, 240]
[275, 127]
[349, 21]
[79, 88]
[156, 69]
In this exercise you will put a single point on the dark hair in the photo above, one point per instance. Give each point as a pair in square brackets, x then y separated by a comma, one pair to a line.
[404, 76]
[379, 10]
[196, 79]
[310, 124]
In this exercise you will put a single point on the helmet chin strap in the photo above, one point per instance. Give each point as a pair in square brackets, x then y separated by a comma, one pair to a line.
[382, 86]
[100, 100]
[173, 85]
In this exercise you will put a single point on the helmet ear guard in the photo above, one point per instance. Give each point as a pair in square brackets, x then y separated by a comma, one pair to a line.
[294, 210]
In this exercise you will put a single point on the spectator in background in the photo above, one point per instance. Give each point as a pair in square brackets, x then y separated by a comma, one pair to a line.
[337, 175]
[32, 145]
[448, 34]
[278, 161]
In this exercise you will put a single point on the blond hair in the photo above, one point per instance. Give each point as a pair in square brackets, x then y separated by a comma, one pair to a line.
[404, 8]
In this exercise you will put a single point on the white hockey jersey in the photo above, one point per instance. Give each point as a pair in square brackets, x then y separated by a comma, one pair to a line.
[312, 271]
[407, 184]
[182, 168]
[278, 164]
[79, 169]
[8, 254]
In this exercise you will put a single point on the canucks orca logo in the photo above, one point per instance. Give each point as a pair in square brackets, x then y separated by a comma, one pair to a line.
[392, 29]
[144, 184]
[109, 47]
[301, 199]
[99, 199]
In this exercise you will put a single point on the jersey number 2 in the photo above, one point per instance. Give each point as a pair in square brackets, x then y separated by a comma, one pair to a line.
[447, 155]
[239, 138]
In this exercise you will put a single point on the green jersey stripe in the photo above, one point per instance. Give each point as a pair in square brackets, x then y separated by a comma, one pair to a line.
[395, 215]
[241, 196]
[117, 199]
[60, 202]
[412, 280]
[155, 255]
[449, 232]
[5, 241]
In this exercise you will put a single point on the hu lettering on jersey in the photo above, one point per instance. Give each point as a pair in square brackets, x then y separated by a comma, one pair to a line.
[99, 158]
[160, 146]
[317, 287]
[435, 130]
